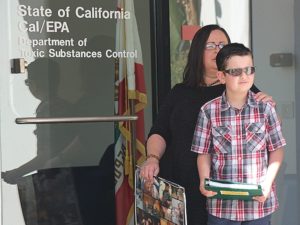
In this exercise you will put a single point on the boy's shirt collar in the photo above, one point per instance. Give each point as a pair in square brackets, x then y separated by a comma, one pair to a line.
[250, 101]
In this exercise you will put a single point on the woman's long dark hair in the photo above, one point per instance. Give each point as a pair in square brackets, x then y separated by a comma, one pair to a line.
[194, 69]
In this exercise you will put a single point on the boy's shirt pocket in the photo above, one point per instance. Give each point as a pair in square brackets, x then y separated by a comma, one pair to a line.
[221, 137]
[255, 136]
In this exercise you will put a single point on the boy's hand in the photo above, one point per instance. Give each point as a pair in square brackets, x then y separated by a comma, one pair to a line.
[205, 192]
[260, 199]
[266, 189]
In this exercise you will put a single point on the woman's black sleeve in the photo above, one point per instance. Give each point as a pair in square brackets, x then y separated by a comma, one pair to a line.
[161, 125]
[254, 89]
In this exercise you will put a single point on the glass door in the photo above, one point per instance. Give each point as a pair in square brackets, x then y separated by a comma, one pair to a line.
[56, 62]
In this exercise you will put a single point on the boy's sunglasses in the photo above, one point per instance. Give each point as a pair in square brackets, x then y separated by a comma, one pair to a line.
[238, 71]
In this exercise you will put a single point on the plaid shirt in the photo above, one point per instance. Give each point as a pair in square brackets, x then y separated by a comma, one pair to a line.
[239, 141]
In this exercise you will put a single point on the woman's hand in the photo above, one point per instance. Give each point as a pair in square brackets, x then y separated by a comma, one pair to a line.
[261, 96]
[149, 169]
[156, 146]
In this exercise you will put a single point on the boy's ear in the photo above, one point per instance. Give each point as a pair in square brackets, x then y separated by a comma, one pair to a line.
[221, 76]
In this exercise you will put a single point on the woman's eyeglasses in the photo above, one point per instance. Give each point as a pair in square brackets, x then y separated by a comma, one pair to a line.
[238, 71]
[213, 45]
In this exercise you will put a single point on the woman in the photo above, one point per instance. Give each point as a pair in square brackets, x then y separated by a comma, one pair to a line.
[170, 138]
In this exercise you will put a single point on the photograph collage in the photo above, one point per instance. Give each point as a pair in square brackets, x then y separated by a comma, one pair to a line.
[160, 202]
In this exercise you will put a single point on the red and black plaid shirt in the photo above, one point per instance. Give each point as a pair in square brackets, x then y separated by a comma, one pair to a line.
[239, 141]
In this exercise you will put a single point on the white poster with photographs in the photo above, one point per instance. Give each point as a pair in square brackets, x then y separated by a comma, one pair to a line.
[159, 203]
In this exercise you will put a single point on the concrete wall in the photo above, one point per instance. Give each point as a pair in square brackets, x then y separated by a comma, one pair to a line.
[274, 30]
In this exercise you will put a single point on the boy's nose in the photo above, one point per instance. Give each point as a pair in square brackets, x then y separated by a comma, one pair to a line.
[244, 75]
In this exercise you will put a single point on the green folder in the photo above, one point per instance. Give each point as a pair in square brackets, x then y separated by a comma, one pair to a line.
[232, 190]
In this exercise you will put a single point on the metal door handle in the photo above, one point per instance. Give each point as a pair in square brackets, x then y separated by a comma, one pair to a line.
[18, 65]
[35, 120]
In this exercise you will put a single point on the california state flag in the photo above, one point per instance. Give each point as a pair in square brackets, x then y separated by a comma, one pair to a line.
[130, 92]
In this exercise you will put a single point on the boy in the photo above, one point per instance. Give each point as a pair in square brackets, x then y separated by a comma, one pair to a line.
[238, 139]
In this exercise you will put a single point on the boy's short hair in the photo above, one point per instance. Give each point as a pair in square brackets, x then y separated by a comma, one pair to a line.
[233, 49]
